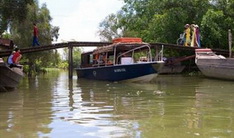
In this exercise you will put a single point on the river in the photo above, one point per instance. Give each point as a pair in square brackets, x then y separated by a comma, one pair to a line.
[172, 106]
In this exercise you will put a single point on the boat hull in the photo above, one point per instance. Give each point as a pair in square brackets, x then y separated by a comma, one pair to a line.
[217, 68]
[131, 72]
[9, 77]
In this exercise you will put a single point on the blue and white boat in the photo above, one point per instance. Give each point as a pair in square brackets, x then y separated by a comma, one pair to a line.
[124, 60]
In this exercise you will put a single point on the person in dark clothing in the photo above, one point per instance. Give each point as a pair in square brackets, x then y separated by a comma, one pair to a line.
[35, 35]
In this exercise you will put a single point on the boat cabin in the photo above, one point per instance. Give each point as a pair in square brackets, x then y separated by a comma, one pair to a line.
[122, 51]
[6, 44]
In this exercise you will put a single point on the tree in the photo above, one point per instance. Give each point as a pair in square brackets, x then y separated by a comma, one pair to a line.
[211, 28]
[22, 33]
[216, 22]
[164, 20]
[76, 57]
[109, 29]
[12, 11]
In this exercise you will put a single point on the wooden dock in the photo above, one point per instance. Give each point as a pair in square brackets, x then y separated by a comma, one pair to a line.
[97, 44]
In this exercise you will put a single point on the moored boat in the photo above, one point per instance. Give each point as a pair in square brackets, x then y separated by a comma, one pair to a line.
[127, 59]
[213, 65]
[173, 65]
[9, 77]
[172, 69]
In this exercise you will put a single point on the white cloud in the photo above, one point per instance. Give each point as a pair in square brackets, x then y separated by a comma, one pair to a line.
[79, 20]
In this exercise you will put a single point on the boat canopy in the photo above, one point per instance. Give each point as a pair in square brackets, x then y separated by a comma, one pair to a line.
[121, 49]
[118, 46]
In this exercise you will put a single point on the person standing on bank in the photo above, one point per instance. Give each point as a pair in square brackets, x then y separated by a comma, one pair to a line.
[187, 35]
[35, 35]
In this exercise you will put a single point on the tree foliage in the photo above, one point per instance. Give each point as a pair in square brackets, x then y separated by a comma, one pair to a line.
[109, 29]
[12, 11]
[164, 20]
[76, 57]
[17, 18]
[22, 34]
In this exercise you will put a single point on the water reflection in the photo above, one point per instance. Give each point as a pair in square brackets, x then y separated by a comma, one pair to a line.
[116, 105]
[26, 111]
[214, 101]
[172, 106]
[126, 101]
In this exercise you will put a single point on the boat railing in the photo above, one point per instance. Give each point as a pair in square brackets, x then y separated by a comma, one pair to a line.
[133, 50]
[1, 60]
[159, 56]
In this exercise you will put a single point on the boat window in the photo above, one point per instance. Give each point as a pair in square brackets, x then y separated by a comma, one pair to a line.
[91, 59]
[142, 56]
[87, 60]
[110, 59]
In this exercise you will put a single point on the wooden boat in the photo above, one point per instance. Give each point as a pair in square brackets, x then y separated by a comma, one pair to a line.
[173, 65]
[172, 69]
[213, 65]
[9, 77]
[120, 61]
[6, 44]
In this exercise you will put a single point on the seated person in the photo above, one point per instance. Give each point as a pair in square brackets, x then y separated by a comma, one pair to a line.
[10, 60]
[101, 59]
[109, 62]
[16, 58]
[143, 59]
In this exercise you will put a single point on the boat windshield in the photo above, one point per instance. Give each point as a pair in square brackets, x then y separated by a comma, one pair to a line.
[147, 57]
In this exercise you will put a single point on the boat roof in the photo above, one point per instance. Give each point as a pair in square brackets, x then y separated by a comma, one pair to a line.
[203, 50]
[118, 46]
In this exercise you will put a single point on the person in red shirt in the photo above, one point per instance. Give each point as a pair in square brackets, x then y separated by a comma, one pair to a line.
[16, 57]
[35, 35]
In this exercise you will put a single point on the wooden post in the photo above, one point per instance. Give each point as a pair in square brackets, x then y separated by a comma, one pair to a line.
[156, 53]
[230, 42]
[70, 61]
[71, 94]
[115, 56]
[162, 50]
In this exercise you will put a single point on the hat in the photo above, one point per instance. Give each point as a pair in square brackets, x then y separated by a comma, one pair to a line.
[187, 25]
[16, 49]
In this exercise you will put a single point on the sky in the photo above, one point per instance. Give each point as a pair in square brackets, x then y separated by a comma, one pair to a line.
[78, 20]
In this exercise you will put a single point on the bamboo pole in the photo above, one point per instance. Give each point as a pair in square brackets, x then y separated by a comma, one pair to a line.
[230, 42]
